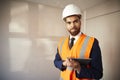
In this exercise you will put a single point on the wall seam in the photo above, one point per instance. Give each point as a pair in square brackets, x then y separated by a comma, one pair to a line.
[103, 15]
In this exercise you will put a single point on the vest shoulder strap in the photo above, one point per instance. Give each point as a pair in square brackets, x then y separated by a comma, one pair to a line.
[86, 47]
[60, 44]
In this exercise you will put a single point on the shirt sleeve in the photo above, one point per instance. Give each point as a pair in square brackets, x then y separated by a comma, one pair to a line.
[96, 70]
[58, 62]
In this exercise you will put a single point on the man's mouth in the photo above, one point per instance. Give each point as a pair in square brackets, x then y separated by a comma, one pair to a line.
[73, 29]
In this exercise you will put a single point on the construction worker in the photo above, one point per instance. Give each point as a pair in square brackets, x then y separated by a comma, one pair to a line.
[77, 46]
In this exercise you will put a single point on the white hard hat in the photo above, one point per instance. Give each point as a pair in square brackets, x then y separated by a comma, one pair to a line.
[71, 9]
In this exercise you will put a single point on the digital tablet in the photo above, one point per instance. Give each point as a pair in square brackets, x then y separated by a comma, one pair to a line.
[82, 61]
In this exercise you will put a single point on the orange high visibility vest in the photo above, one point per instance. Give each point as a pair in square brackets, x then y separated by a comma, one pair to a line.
[81, 49]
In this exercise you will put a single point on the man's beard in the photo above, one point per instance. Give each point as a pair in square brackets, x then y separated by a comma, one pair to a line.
[75, 32]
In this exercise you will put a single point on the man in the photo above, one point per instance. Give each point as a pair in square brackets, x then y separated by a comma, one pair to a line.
[77, 45]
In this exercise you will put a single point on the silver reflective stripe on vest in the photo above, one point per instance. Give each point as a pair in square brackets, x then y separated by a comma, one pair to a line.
[61, 78]
[83, 49]
[61, 46]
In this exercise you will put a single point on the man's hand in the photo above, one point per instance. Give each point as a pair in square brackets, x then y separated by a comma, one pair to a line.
[76, 65]
[69, 62]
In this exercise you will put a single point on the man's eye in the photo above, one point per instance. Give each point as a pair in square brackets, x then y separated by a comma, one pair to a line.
[76, 21]
[68, 22]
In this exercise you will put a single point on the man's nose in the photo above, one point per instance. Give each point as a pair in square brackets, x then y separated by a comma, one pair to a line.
[72, 25]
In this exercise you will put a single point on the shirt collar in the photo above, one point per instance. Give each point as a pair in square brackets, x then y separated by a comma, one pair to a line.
[76, 37]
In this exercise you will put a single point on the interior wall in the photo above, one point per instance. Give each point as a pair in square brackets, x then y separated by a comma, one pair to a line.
[102, 22]
[29, 33]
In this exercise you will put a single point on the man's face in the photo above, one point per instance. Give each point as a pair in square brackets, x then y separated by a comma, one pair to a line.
[73, 24]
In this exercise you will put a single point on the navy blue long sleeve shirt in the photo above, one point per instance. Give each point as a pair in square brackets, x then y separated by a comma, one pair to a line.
[94, 72]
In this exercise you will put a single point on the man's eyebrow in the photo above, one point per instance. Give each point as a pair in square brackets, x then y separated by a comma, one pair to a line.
[68, 22]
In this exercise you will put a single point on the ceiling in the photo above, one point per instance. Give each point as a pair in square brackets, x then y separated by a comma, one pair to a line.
[83, 4]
